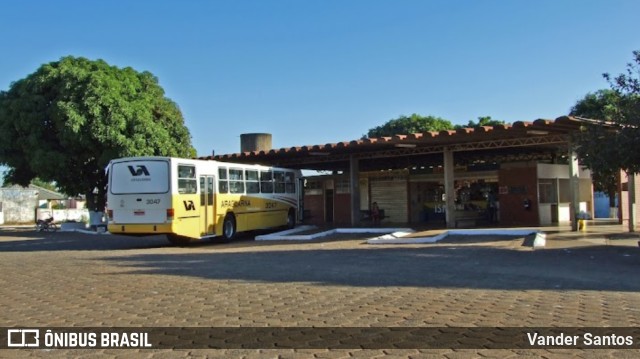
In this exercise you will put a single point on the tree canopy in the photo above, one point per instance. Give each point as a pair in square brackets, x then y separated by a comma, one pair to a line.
[69, 118]
[610, 144]
[601, 105]
[596, 144]
[482, 121]
[410, 124]
[626, 116]
[418, 124]
[611, 141]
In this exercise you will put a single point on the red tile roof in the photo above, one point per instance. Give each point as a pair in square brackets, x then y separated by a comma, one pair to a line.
[562, 125]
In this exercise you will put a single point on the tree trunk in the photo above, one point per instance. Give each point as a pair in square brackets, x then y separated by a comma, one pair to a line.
[612, 198]
[613, 193]
[96, 205]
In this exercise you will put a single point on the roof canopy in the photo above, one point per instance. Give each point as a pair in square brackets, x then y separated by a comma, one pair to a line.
[46, 194]
[540, 139]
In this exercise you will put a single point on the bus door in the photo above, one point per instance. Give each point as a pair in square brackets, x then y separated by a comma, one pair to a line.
[207, 205]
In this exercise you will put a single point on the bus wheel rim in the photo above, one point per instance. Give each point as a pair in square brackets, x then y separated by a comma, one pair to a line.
[228, 228]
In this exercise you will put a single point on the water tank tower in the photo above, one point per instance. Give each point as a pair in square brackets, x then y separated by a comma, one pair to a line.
[250, 142]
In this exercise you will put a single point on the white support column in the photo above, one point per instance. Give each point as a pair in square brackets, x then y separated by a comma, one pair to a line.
[354, 188]
[449, 188]
[633, 213]
[574, 192]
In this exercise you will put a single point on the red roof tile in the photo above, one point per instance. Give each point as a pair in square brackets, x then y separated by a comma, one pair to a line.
[562, 124]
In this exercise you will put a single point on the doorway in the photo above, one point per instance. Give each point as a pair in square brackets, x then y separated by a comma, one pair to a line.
[328, 205]
[207, 207]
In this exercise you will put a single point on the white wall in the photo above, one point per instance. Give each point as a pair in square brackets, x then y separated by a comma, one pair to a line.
[18, 204]
[546, 170]
[544, 211]
[61, 215]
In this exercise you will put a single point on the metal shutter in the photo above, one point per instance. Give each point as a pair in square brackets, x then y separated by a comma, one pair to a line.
[392, 198]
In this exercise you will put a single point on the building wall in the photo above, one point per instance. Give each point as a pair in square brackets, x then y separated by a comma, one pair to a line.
[554, 193]
[624, 198]
[315, 200]
[314, 209]
[517, 184]
[342, 208]
[19, 205]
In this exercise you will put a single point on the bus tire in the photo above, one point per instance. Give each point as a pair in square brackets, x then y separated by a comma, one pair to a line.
[291, 219]
[177, 240]
[229, 227]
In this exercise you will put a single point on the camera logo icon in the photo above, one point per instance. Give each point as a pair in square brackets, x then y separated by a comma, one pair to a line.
[23, 338]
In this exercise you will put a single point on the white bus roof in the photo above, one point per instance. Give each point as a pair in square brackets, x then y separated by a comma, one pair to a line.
[195, 161]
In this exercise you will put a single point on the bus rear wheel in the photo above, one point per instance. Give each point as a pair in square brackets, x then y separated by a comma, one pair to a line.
[291, 219]
[178, 240]
[229, 227]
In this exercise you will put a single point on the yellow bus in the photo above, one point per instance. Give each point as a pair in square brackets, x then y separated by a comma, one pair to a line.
[190, 199]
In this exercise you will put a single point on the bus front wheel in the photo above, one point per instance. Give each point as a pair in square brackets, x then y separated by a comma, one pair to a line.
[229, 227]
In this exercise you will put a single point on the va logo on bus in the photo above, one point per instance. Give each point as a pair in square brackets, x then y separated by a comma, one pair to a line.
[138, 171]
[189, 205]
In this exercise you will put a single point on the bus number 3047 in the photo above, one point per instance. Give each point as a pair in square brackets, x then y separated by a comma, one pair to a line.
[153, 201]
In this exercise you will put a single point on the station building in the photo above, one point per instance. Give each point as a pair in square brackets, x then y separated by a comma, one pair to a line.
[522, 174]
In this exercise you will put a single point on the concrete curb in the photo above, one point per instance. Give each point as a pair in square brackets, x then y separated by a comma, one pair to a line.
[397, 238]
[287, 235]
[85, 231]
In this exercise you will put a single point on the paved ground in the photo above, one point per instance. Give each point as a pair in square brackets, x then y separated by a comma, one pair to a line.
[72, 279]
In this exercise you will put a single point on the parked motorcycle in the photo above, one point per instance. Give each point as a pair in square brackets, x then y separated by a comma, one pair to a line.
[46, 225]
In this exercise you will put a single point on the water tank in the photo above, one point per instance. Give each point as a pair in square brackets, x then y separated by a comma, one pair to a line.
[250, 142]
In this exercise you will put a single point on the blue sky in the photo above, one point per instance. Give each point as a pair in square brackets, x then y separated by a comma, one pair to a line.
[318, 71]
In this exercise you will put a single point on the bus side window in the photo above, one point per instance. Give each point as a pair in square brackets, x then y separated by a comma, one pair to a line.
[266, 182]
[187, 183]
[223, 185]
[290, 182]
[236, 181]
[253, 186]
[279, 179]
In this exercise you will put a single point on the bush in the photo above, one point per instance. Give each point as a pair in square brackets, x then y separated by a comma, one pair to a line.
[58, 206]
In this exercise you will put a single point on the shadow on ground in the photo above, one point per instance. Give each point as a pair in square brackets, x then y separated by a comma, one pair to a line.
[591, 267]
[584, 268]
[27, 240]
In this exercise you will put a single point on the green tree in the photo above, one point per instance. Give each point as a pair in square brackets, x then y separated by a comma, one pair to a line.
[600, 105]
[409, 124]
[610, 143]
[482, 121]
[67, 120]
[626, 116]
[602, 159]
